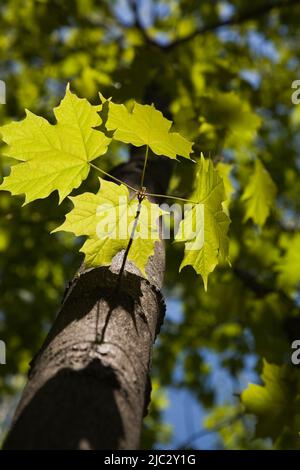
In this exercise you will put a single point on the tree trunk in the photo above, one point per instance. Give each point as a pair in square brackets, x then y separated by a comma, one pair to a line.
[89, 384]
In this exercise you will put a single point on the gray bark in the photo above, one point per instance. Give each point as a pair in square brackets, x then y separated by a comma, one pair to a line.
[89, 384]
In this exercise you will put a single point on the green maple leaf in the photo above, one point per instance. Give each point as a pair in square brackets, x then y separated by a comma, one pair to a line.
[205, 226]
[259, 195]
[272, 403]
[54, 157]
[224, 169]
[145, 125]
[107, 219]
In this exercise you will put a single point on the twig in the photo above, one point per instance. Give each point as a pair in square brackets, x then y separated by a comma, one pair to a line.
[138, 211]
[165, 196]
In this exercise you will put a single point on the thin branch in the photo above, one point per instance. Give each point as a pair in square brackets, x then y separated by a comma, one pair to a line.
[138, 24]
[258, 288]
[138, 211]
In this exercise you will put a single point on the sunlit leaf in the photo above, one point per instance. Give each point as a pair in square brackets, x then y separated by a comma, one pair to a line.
[209, 222]
[107, 219]
[54, 157]
[272, 402]
[145, 125]
[259, 195]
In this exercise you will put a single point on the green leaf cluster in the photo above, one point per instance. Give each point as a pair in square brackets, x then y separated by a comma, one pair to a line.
[58, 157]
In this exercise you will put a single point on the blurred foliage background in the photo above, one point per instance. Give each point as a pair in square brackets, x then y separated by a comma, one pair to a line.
[222, 71]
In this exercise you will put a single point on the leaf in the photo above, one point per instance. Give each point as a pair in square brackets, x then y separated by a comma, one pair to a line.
[288, 265]
[259, 195]
[107, 218]
[55, 157]
[232, 116]
[145, 125]
[224, 170]
[270, 402]
[208, 220]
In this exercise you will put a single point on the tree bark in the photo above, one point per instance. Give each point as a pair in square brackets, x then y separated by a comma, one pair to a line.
[89, 384]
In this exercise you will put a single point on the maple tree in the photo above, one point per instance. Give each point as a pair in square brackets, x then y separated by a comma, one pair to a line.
[221, 72]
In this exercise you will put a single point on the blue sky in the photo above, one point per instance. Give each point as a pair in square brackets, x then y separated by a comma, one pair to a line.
[184, 412]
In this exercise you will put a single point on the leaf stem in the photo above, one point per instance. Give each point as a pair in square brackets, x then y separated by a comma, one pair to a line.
[144, 167]
[166, 196]
[113, 177]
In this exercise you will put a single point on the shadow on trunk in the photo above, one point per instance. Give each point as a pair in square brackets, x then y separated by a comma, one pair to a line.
[90, 410]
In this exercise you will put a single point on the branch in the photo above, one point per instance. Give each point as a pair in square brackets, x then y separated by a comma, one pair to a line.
[258, 288]
[250, 281]
[139, 25]
[237, 19]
